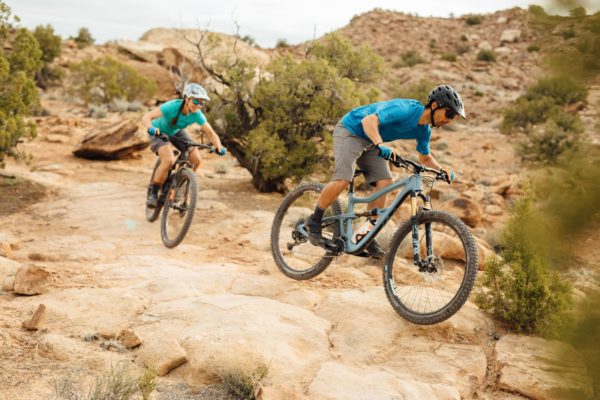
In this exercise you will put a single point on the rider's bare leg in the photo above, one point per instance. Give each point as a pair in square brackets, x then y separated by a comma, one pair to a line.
[167, 159]
[195, 158]
[330, 192]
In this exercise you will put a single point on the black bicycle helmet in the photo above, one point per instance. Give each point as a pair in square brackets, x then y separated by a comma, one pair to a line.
[445, 96]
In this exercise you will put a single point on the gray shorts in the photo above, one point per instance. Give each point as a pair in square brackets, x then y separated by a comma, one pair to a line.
[350, 150]
[178, 140]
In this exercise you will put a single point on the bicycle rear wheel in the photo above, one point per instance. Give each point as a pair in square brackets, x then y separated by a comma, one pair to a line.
[180, 205]
[153, 213]
[294, 255]
[438, 288]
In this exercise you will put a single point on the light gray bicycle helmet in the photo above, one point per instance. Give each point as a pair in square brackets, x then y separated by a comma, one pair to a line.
[445, 96]
[195, 91]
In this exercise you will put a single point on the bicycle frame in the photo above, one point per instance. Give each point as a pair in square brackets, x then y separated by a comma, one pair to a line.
[413, 188]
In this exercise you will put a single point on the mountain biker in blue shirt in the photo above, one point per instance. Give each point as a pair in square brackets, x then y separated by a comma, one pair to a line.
[358, 140]
[172, 118]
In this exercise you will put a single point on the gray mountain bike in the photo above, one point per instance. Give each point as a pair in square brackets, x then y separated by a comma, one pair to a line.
[177, 196]
[431, 264]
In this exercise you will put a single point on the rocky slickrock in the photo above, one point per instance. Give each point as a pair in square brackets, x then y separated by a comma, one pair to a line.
[542, 369]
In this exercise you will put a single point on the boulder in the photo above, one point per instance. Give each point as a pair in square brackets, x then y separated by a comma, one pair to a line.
[510, 36]
[464, 208]
[31, 280]
[163, 353]
[542, 369]
[113, 141]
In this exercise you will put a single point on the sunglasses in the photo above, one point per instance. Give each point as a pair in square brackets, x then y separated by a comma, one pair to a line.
[198, 102]
[450, 113]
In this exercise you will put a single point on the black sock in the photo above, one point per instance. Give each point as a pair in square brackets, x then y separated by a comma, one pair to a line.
[155, 187]
[318, 214]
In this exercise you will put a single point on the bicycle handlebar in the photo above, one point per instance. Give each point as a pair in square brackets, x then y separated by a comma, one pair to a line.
[167, 138]
[401, 162]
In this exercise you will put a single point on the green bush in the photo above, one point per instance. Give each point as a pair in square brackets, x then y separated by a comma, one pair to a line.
[18, 94]
[486, 55]
[280, 128]
[418, 91]
[450, 56]
[282, 44]
[84, 38]
[558, 135]
[102, 80]
[562, 90]
[411, 58]
[50, 46]
[524, 114]
[578, 12]
[533, 48]
[521, 290]
[360, 65]
[537, 10]
[473, 20]
[464, 38]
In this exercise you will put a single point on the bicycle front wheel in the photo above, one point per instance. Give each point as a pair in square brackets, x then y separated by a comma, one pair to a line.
[438, 287]
[153, 213]
[294, 255]
[180, 205]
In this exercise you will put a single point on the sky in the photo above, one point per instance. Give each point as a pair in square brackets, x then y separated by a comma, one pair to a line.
[266, 21]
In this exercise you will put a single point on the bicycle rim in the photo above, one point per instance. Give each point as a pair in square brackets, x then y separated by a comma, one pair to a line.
[436, 290]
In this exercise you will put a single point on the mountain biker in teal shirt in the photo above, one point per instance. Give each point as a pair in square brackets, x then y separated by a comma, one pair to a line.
[358, 140]
[171, 118]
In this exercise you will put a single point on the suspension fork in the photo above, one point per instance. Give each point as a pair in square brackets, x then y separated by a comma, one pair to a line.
[415, 227]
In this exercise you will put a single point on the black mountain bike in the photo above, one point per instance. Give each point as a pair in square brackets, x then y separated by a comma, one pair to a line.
[430, 267]
[178, 196]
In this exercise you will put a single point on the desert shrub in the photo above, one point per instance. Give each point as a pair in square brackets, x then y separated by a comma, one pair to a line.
[102, 80]
[537, 10]
[521, 289]
[282, 44]
[278, 127]
[473, 20]
[18, 95]
[450, 56]
[524, 114]
[533, 48]
[361, 64]
[558, 135]
[117, 383]
[562, 90]
[578, 12]
[417, 91]
[50, 46]
[486, 55]
[84, 38]
[412, 57]
[479, 93]
[248, 39]
[464, 38]
[243, 379]
[146, 383]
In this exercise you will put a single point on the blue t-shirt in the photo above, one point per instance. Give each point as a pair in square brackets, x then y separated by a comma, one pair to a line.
[169, 111]
[398, 119]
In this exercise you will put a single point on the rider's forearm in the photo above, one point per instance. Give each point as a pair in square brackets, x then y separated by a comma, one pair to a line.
[429, 161]
[212, 136]
[370, 124]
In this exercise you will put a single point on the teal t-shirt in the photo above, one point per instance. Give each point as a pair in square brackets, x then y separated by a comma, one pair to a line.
[398, 119]
[169, 111]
